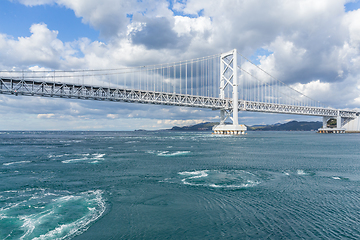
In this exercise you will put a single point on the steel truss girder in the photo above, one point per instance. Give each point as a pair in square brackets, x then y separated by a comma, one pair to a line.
[63, 90]
[290, 109]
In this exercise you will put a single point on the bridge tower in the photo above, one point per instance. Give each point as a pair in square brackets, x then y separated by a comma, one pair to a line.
[229, 79]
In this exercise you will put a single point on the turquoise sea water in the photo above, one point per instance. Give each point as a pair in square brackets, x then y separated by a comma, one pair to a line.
[173, 185]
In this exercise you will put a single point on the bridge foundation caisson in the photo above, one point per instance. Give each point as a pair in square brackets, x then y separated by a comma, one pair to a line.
[229, 78]
[230, 129]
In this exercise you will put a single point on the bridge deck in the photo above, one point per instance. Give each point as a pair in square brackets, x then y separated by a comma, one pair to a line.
[74, 91]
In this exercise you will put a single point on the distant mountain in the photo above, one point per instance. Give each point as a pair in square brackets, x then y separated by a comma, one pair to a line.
[289, 126]
[197, 127]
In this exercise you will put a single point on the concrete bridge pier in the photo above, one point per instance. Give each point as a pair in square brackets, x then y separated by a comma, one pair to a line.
[339, 124]
[343, 125]
[229, 129]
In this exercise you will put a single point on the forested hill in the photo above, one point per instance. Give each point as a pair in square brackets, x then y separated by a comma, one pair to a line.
[289, 126]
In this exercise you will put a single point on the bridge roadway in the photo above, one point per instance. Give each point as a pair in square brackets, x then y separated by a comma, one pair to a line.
[63, 90]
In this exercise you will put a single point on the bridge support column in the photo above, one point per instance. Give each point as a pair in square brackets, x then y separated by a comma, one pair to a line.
[229, 78]
[325, 120]
[339, 125]
[338, 121]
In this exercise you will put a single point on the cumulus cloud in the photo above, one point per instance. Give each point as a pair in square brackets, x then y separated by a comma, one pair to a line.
[158, 34]
[314, 46]
[41, 48]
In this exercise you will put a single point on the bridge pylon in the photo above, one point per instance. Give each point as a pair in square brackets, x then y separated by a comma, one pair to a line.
[229, 79]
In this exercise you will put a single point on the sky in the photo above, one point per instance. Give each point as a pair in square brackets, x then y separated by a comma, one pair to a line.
[313, 46]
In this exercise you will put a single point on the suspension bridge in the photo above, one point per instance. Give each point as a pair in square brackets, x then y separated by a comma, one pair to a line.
[226, 82]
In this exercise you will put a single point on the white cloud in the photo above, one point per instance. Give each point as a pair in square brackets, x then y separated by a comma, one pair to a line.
[179, 123]
[315, 89]
[351, 20]
[186, 25]
[112, 116]
[49, 115]
[34, 2]
[42, 49]
[314, 45]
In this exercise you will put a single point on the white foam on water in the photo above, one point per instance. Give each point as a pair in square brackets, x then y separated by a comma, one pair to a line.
[250, 184]
[201, 173]
[2, 216]
[172, 154]
[301, 172]
[11, 163]
[98, 155]
[56, 156]
[161, 153]
[235, 179]
[37, 214]
[31, 221]
[50, 194]
[74, 160]
[167, 153]
[77, 227]
[71, 141]
[193, 175]
[87, 157]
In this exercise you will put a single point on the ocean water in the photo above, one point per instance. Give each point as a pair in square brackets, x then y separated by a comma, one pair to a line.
[179, 185]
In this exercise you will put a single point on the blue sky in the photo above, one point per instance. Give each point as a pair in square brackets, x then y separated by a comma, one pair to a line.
[311, 45]
[18, 18]
[351, 6]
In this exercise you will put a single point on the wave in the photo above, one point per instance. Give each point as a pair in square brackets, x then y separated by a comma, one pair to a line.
[234, 179]
[299, 172]
[57, 156]
[89, 158]
[168, 153]
[70, 141]
[172, 154]
[11, 163]
[340, 178]
[44, 214]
